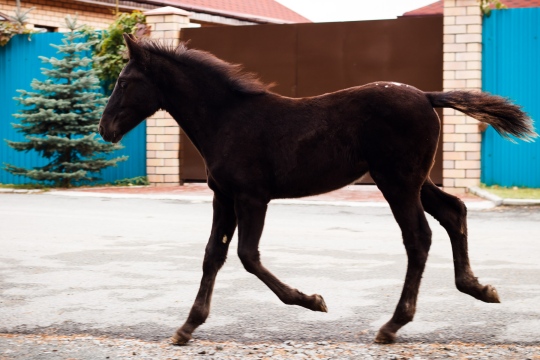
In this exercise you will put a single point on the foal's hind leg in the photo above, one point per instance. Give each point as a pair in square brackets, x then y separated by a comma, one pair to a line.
[223, 226]
[405, 204]
[452, 215]
[251, 214]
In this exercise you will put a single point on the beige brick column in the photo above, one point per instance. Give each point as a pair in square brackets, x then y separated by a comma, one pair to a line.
[163, 147]
[462, 71]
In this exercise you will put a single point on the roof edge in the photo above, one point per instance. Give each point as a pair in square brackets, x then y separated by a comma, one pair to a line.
[236, 15]
[167, 10]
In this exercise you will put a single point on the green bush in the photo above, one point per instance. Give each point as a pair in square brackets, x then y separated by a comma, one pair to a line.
[110, 51]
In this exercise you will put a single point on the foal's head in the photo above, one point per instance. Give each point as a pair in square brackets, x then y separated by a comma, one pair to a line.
[195, 74]
[134, 97]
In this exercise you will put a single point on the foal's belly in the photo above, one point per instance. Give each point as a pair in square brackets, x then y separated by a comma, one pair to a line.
[318, 182]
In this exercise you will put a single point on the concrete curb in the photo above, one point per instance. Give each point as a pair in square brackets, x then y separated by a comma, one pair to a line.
[500, 201]
[208, 199]
[486, 195]
[20, 191]
[472, 205]
[194, 198]
[520, 202]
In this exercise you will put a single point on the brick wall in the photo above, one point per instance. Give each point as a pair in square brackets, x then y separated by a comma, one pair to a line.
[462, 71]
[52, 13]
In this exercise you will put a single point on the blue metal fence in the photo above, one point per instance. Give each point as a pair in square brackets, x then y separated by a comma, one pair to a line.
[511, 68]
[19, 64]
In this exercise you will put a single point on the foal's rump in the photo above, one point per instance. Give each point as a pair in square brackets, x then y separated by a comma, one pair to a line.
[505, 117]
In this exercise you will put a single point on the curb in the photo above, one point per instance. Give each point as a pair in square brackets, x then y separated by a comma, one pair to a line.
[20, 191]
[209, 199]
[520, 202]
[486, 195]
[500, 201]
[472, 205]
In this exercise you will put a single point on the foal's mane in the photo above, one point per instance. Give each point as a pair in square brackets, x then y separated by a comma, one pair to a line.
[232, 74]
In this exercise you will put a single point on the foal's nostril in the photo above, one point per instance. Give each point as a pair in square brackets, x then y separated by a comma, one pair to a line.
[100, 129]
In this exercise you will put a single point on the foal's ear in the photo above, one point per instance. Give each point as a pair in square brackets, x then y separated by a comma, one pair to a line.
[136, 52]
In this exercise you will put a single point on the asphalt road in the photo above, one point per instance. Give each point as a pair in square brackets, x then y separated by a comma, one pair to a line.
[130, 268]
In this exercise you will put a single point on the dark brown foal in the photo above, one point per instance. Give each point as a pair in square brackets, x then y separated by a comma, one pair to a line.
[259, 146]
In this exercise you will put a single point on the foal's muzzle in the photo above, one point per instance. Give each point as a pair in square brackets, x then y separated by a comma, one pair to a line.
[114, 137]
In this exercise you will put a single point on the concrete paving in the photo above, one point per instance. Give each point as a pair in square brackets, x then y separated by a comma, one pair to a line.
[130, 268]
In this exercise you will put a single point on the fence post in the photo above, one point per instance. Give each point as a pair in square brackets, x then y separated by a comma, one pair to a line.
[462, 69]
[163, 147]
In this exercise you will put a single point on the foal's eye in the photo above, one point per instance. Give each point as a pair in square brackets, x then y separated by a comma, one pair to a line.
[122, 84]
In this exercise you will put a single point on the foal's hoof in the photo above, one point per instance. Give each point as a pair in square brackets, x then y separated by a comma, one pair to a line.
[490, 295]
[320, 305]
[385, 337]
[180, 338]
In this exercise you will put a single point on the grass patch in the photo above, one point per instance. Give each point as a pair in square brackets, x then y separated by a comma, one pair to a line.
[24, 186]
[513, 192]
[136, 181]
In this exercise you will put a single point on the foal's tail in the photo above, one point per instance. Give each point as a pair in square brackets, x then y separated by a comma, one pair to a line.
[506, 118]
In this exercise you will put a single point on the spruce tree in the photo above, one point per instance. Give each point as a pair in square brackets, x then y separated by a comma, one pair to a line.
[61, 117]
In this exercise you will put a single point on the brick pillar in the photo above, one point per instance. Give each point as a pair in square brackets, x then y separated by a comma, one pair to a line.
[163, 147]
[462, 70]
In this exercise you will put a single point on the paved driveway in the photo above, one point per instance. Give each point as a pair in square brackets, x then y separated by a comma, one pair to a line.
[130, 268]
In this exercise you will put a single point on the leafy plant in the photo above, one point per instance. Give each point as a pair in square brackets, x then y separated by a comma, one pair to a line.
[15, 25]
[486, 5]
[9, 29]
[110, 50]
[136, 181]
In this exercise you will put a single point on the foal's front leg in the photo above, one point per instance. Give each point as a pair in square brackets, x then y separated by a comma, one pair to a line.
[223, 226]
[409, 214]
[251, 214]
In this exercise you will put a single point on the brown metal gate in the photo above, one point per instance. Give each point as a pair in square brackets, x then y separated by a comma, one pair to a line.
[312, 59]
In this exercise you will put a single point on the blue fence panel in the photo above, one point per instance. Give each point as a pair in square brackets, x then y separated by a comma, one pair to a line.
[19, 64]
[511, 68]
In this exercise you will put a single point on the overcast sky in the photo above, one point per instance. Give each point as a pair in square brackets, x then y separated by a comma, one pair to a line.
[351, 10]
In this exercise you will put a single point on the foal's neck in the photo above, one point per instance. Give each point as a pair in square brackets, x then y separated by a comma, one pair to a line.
[198, 102]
